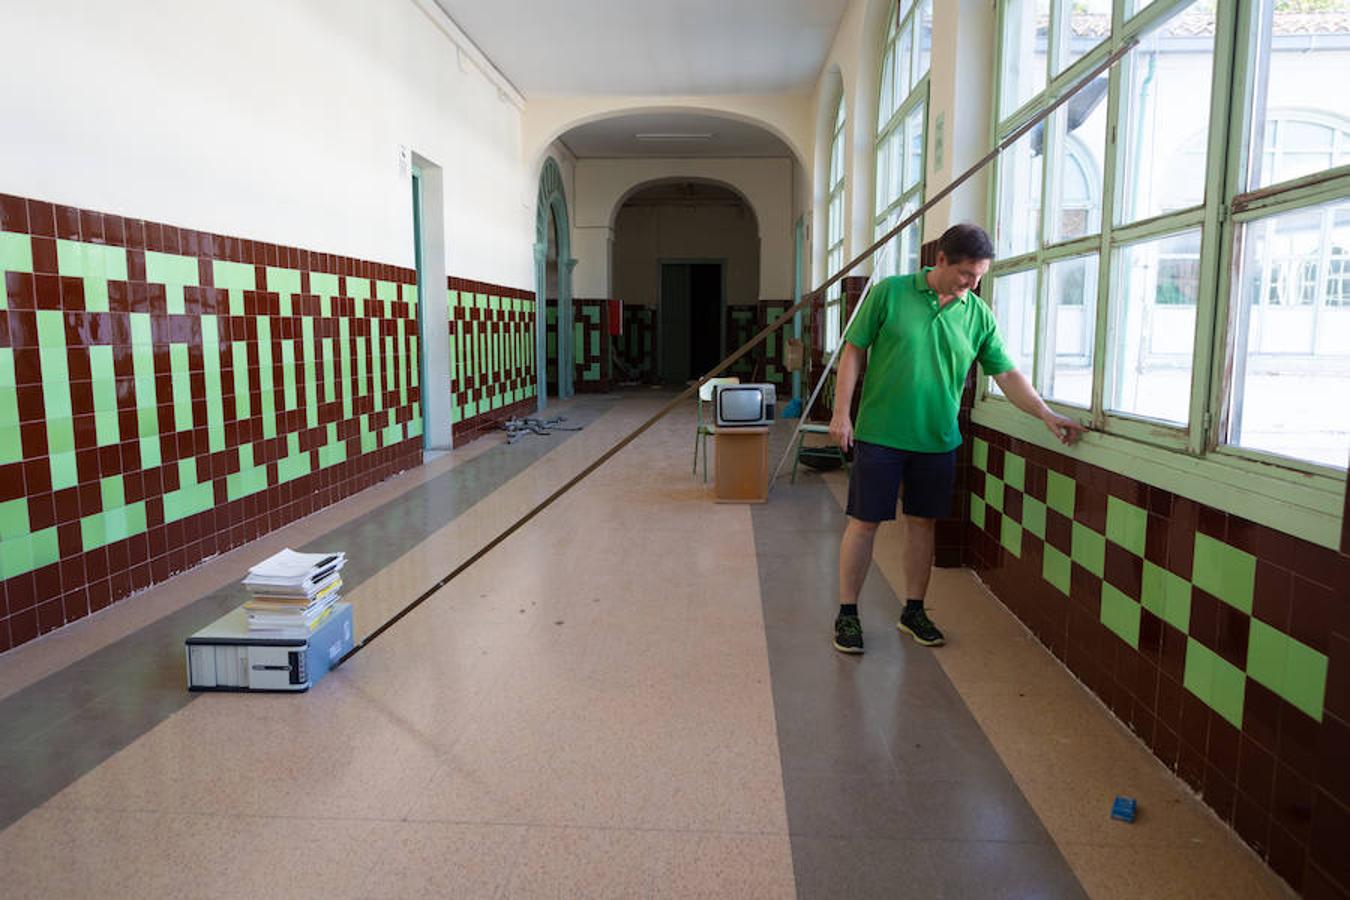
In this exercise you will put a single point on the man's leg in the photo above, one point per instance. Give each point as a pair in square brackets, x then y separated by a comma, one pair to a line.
[855, 555]
[918, 555]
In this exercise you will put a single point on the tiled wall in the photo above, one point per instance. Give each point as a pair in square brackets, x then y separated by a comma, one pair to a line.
[1223, 644]
[637, 344]
[590, 344]
[166, 395]
[772, 371]
[742, 325]
[492, 355]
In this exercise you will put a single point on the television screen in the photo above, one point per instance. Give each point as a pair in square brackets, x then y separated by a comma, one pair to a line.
[745, 404]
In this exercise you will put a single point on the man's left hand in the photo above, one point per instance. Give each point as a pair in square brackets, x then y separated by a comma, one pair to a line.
[1065, 429]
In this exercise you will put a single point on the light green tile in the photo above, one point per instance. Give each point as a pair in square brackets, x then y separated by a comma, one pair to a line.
[1167, 596]
[14, 521]
[345, 385]
[1015, 471]
[16, 255]
[105, 394]
[1126, 525]
[1059, 493]
[1226, 572]
[1056, 568]
[1011, 536]
[182, 387]
[16, 556]
[285, 283]
[288, 375]
[993, 492]
[267, 401]
[239, 349]
[191, 497]
[174, 272]
[215, 397]
[1033, 516]
[1305, 679]
[979, 454]
[143, 362]
[1089, 549]
[112, 491]
[1120, 614]
[1216, 681]
[236, 278]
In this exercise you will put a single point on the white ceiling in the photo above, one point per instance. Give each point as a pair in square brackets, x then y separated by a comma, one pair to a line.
[671, 135]
[671, 47]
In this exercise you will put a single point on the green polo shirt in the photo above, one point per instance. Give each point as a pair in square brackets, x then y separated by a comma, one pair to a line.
[920, 355]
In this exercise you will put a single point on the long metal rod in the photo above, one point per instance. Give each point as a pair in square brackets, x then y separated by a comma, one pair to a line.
[962, 178]
[730, 360]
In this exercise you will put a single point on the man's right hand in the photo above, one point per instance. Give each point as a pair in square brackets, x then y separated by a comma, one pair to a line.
[841, 429]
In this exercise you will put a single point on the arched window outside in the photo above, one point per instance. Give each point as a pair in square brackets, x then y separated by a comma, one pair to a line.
[834, 228]
[902, 120]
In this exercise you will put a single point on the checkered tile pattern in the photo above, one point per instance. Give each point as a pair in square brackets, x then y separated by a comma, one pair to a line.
[166, 395]
[492, 354]
[591, 346]
[1223, 644]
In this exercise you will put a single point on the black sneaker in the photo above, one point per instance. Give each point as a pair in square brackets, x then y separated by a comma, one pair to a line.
[848, 634]
[917, 625]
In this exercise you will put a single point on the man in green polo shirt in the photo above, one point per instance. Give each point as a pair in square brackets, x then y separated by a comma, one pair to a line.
[923, 332]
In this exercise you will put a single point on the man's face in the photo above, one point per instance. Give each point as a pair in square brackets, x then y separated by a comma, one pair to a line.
[957, 278]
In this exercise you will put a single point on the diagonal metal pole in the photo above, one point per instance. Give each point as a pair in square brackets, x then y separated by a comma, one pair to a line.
[745, 348]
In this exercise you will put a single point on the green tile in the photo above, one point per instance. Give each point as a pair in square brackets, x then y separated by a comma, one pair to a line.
[1224, 571]
[16, 556]
[288, 375]
[285, 283]
[174, 272]
[1089, 549]
[1216, 681]
[1015, 471]
[239, 349]
[215, 397]
[344, 386]
[1011, 536]
[979, 454]
[105, 394]
[1056, 569]
[993, 492]
[1059, 493]
[16, 255]
[1120, 614]
[1033, 516]
[182, 387]
[1126, 525]
[14, 519]
[237, 278]
[1305, 679]
[267, 400]
[1167, 596]
[113, 493]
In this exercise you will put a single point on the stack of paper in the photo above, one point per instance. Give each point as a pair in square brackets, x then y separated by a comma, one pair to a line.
[292, 594]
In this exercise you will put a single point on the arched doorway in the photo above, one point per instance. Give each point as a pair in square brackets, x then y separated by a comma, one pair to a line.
[687, 255]
[553, 265]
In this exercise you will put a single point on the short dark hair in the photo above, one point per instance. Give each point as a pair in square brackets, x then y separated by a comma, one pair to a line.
[965, 241]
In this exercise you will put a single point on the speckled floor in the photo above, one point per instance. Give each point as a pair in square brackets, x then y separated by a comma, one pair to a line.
[633, 696]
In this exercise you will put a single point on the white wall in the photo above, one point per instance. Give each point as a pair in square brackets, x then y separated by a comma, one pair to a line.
[276, 120]
[603, 184]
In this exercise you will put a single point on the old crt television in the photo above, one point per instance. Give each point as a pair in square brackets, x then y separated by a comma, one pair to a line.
[743, 404]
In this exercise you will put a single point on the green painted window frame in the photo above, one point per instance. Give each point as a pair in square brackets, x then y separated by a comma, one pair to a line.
[834, 229]
[1299, 497]
[905, 16]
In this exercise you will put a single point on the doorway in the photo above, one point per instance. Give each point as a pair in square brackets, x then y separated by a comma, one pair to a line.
[693, 313]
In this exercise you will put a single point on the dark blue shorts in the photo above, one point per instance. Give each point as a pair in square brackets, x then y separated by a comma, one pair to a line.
[879, 472]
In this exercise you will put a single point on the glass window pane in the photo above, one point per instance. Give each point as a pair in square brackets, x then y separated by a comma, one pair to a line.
[1292, 340]
[1079, 130]
[1013, 297]
[1071, 311]
[1165, 116]
[914, 145]
[925, 36]
[1304, 111]
[1017, 229]
[1152, 339]
[1083, 25]
[904, 63]
[1025, 32]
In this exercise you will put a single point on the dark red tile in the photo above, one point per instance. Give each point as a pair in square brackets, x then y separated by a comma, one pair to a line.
[1298, 741]
[1230, 637]
[1256, 772]
[41, 218]
[1288, 856]
[1251, 820]
[1330, 836]
[1272, 598]
[1293, 802]
[1338, 677]
[1333, 766]
[1311, 613]
[13, 214]
[1319, 564]
[1124, 570]
[67, 223]
[1219, 793]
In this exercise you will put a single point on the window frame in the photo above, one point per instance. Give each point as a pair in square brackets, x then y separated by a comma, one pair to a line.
[1298, 496]
[834, 243]
[918, 97]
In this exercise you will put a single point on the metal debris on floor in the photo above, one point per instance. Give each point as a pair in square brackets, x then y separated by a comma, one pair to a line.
[515, 427]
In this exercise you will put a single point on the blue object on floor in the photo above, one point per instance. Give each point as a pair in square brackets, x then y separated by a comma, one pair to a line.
[793, 409]
[1123, 809]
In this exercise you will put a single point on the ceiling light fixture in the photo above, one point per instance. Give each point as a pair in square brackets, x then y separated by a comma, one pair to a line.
[673, 136]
